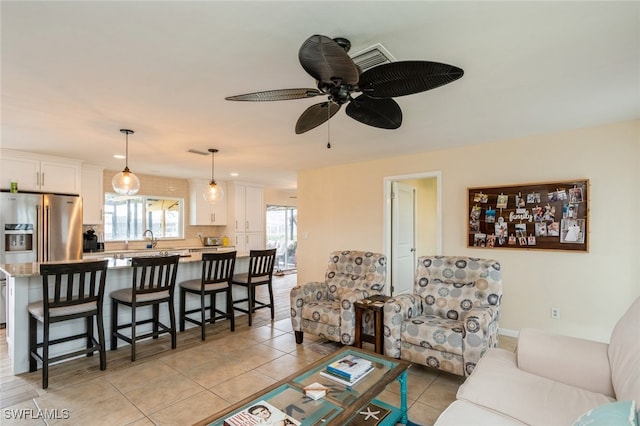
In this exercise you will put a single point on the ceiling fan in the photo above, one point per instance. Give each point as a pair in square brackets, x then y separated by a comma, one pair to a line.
[338, 77]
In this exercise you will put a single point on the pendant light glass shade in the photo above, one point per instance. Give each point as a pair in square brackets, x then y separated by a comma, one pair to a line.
[214, 192]
[125, 182]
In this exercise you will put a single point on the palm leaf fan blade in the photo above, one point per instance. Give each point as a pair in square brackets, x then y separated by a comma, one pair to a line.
[276, 95]
[325, 60]
[315, 115]
[381, 113]
[406, 78]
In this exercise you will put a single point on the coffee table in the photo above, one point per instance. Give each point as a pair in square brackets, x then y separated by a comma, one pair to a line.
[343, 404]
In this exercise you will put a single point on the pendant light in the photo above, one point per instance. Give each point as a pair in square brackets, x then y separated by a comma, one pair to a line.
[125, 182]
[214, 192]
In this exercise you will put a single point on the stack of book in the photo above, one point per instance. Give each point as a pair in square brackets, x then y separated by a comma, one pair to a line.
[348, 370]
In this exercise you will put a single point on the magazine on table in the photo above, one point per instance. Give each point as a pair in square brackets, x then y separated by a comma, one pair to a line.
[337, 378]
[261, 413]
[350, 367]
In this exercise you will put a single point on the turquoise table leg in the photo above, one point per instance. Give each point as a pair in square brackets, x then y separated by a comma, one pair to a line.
[403, 397]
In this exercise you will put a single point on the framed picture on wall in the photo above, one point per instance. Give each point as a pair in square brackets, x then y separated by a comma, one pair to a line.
[531, 216]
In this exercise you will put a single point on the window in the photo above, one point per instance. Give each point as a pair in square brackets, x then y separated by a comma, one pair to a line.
[127, 217]
[282, 234]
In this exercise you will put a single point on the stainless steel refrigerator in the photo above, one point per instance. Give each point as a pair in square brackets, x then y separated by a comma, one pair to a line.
[40, 227]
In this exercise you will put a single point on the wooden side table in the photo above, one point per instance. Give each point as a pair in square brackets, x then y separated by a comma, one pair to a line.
[376, 305]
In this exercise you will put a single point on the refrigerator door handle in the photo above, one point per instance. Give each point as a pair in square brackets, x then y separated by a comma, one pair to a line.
[40, 235]
[47, 235]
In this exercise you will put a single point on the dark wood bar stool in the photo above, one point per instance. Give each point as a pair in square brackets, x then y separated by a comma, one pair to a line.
[260, 272]
[154, 280]
[217, 272]
[77, 292]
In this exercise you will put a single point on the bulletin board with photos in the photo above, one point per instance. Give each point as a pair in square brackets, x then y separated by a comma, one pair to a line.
[542, 216]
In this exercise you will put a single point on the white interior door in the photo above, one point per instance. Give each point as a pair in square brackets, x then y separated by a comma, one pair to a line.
[403, 238]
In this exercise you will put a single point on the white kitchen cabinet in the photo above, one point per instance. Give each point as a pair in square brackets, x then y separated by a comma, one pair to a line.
[248, 208]
[40, 173]
[92, 195]
[249, 241]
[247, 211]
[202, 212]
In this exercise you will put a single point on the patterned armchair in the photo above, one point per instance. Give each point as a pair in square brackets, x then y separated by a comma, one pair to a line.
[326, 308]
[451, 319]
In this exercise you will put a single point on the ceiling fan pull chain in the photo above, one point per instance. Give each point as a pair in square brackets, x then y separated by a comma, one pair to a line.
[329, 125]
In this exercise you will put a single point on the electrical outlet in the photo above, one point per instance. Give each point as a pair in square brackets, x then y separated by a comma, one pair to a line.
[555, 313]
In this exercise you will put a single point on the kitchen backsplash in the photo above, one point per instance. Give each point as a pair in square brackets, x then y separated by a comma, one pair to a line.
[161, 186]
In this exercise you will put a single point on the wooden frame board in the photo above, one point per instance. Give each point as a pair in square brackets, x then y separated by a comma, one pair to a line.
[534, 216]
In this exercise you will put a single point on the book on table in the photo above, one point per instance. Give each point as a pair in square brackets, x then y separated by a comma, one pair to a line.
[350, 367]
[261, 413]
[341, 379]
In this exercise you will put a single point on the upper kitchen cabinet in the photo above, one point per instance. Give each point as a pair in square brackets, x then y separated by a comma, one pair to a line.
[40, 173]
[247, 211]
[201, 212]
[92, 194]
[248, 207]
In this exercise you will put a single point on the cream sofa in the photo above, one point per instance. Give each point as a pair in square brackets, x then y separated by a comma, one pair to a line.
[551, 379]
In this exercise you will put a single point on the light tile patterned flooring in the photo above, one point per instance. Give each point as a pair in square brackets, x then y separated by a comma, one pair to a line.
[185, 385]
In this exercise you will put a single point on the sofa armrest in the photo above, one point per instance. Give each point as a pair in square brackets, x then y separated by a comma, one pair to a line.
[302, 294]
[481, 333]
[396, 310]
[570, 360]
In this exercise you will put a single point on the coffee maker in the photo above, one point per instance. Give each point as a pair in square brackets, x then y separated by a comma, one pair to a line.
[90, 241]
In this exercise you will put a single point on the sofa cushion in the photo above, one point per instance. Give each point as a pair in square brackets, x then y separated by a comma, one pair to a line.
[465, 413]
[434, 332]
[620, 413]
[498, 383]
[624, 355]
[323, 312]
[554, 356]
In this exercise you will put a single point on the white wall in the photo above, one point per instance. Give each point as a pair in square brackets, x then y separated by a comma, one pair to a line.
[341, 207]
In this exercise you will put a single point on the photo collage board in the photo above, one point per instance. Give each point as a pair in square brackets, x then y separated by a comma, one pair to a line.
[543, 216]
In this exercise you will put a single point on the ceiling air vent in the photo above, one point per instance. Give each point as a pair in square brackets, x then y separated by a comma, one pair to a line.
[372, 57]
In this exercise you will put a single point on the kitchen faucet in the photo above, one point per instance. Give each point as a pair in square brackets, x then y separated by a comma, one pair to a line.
[152, 240]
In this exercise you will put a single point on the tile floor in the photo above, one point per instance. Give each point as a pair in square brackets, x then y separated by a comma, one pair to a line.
[185, 385]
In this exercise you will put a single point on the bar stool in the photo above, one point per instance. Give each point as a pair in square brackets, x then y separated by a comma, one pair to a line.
[260, 272]
[154, 280]
[217, 272]
[77, 292]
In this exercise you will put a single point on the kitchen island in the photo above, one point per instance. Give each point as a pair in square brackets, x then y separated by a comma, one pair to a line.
[24, 286]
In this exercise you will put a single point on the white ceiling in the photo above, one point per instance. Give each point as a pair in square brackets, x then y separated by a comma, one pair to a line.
[74, 73]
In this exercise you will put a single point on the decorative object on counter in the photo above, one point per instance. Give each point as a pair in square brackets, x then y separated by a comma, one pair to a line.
[214, 192]
[217, 272]
[14, 186]
[125, 182]
[154, 280]
[209, 241]
[78, 292]
[261, 263]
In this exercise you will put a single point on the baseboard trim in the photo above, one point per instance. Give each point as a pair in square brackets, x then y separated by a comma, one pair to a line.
[508, 332]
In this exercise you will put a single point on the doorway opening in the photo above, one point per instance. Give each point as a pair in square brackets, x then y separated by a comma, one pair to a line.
[282, 235]
[413, 225]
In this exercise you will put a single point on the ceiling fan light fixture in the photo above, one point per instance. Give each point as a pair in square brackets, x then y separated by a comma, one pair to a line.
[214, 192]
[125, 182]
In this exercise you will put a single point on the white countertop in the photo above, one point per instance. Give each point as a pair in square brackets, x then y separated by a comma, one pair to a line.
[33, 268]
